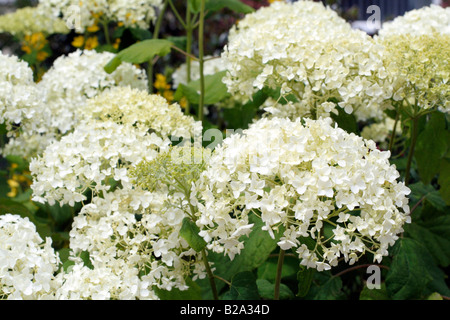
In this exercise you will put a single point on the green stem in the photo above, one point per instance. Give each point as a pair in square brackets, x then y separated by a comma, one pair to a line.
[155, 36]
[278, 275]
[210, 275]
[415, 130]
[391, 141]
[201, 59]
[106, 31]
[175, 11]
[189, 31]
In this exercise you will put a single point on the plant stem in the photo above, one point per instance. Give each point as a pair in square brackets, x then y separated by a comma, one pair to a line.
[106, 31]
[155, 36]
[414, 133]
[201, 59]
[210, 275]
[278, 275]
[394, 129]
[189, 30]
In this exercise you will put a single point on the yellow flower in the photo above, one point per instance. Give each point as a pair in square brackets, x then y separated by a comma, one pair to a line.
[78, 42]
[41, 55]
[117, 43]
[168, 95]
[35, 41]
[26, 48]
[14, 185]
[93, 28]
[183, 102]
[160, 82]
[91, 43]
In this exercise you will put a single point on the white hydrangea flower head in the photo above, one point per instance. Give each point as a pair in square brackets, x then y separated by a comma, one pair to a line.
[306, 180]
[114, 282]
[29, 20]
[121, 128]
[137, 230]
[18, 95]
[52, 107]
[27, 263]
[132, 13]
[87, 158]
[79, 76]
[136, 107]
[211, 66]
[418, 66]
[305, 49]
[426, 20]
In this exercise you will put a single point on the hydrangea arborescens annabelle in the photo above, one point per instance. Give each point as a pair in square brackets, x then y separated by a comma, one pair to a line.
[62, 93]
[305, 49]
[426, 20]
[308, 180]
[82, 14]
[136, 229]
[27, 263]
[18, 95]
[29, 20]
[121, 127]
[418, 66]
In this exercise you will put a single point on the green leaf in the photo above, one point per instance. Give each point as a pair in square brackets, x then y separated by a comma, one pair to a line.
[328, 287]
[257, 248]
[140, 52]
[192, 293]
[240, 116]
[266, 290]
[194, 5]
[140, 34]
[85, 256]
[433, 196]
[408, 275]
[435, 296]
[215, 89]
[431, 147]
[434, 234]
[345, 121]
[243, 287]
[190, 232]
[374, 294]
[234, 5]
[305, 277]
[268, 269]
[444, 181]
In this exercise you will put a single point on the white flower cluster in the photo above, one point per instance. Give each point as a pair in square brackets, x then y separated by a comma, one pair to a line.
[136, 235]
[131, 13]
[211, 66]
[122, 126]
[307, 50]
[29, 20]
[77, 77]
[308, 180]
[18, 95]
[426, 20]
[51, 108]
[27, 264]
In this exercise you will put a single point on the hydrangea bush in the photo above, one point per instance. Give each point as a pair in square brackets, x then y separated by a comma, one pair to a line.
[300, 151]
